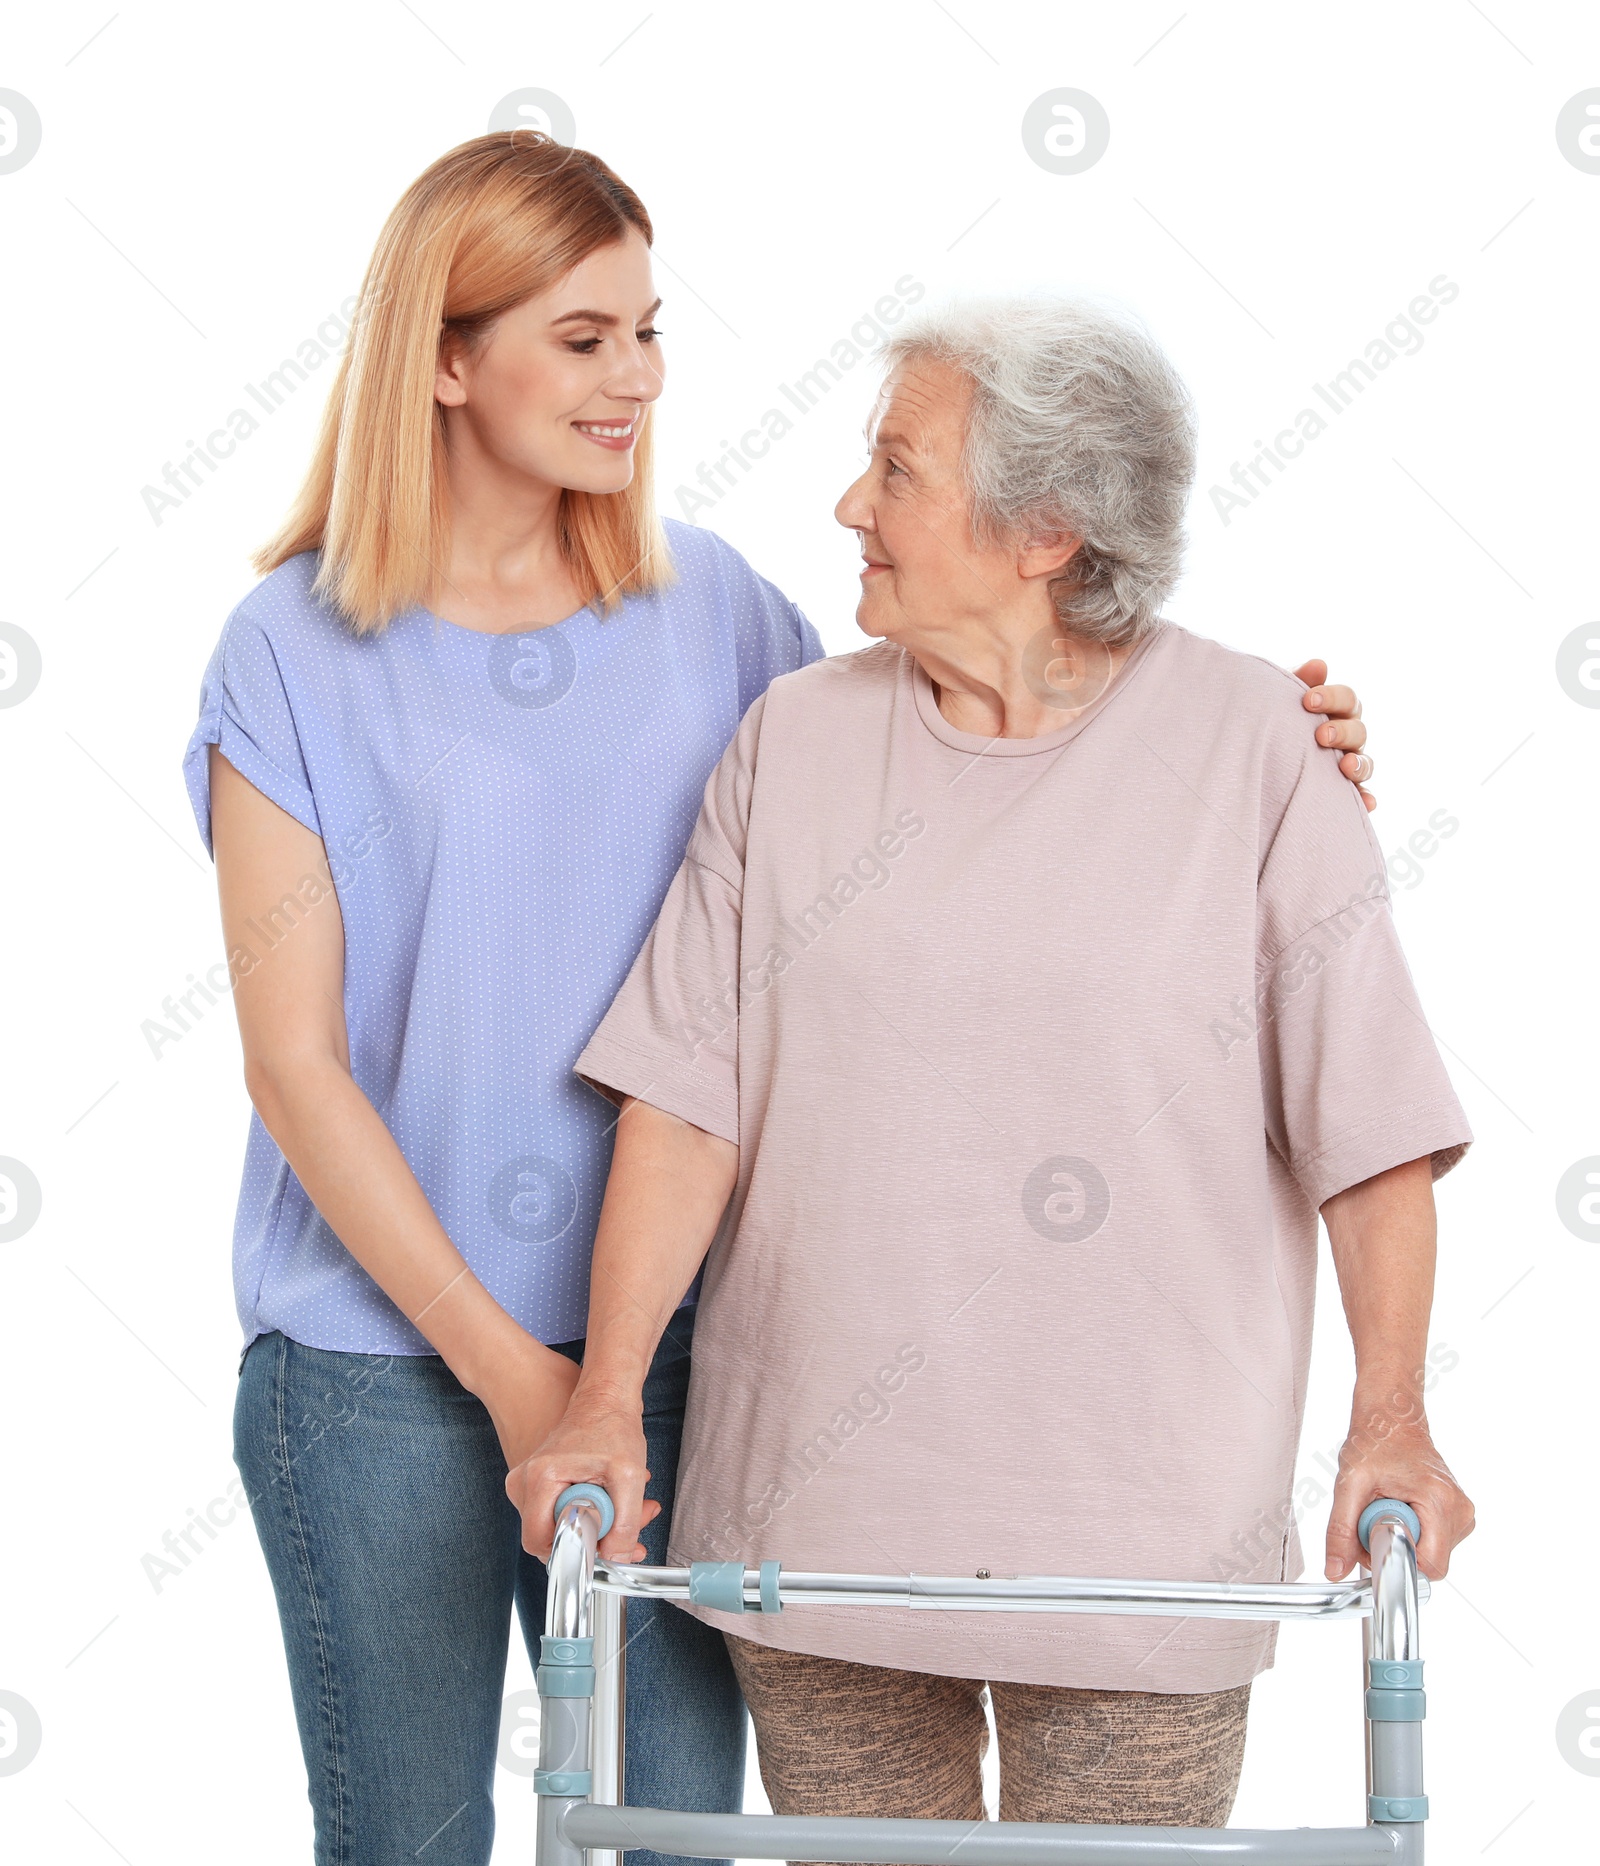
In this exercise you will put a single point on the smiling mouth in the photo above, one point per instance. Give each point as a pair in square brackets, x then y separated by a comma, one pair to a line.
[608, 433]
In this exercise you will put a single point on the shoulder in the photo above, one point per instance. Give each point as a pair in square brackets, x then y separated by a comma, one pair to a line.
[1249, 717]
[284, 611]
[810, 705]
[767, 632]
[707, 564]
[864, 678]
[698, 553]
[864, 671]
[791, 726]
[1249, 681]
[1251, 698]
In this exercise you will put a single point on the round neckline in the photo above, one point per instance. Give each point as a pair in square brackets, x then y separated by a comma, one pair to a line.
[463, 628]
[979, 743]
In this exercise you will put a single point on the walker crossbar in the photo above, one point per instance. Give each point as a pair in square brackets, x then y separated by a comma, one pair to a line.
[1025, 1593]
[581, 1686]
[965, 1843]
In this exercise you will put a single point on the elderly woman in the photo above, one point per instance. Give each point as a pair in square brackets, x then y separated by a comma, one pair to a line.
[1027, 989]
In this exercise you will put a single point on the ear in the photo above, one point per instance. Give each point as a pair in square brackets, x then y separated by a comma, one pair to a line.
[450, 373]
[1047, 554]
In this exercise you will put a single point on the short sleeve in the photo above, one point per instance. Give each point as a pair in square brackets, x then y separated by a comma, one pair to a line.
[245, 710]
[1352, 1077]
[671, 1035]
[772, 635]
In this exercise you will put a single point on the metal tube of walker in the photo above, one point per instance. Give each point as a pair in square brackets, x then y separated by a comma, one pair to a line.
[566, 1675]
[1395, 1702]
[1221, 1600]
[606, 1739]
[969, 1843]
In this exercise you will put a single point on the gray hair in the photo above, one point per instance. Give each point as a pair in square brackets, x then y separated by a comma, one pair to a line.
[1079, 424]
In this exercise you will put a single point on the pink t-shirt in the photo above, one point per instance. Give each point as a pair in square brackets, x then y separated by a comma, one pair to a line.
[1040, 1055]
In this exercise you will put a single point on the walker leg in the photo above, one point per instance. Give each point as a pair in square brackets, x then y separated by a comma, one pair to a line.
[1395, 1701]
[1366, 1725]
[1397, 1772]
[563, 1756]
[606, 1743]
[566, 1676]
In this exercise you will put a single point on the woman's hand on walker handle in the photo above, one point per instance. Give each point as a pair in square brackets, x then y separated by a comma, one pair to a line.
[598, 1440]
[1343, 727]
[1403, 1462]
[666, 1193]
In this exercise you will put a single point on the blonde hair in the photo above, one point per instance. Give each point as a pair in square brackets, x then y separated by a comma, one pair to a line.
[489, 225]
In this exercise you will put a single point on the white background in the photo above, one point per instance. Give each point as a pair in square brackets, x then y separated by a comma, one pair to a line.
[1280, 182]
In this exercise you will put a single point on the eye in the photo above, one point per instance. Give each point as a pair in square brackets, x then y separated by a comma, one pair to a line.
[650, 333]
[584, 346]
[892, 466]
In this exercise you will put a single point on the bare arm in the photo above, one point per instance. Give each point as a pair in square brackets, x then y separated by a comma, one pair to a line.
[289, 997]
[668, 1188]
[1383, 1234]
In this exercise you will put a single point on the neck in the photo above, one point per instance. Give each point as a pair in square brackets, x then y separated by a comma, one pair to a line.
[504, 569]
[1018, 683]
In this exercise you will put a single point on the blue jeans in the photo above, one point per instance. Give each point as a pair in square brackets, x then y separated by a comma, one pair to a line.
[377, 1487]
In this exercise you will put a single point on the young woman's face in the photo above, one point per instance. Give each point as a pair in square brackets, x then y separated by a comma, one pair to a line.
[561, 385]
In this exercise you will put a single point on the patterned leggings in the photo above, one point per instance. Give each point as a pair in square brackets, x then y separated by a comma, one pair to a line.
[839, 1738]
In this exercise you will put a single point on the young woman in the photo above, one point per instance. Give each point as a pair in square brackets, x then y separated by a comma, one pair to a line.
[449, 754]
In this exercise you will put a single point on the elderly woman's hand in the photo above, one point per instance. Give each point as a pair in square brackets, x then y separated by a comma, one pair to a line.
[1343, 729]
[669, 1186]
[599, 1440]
[1402, 1462]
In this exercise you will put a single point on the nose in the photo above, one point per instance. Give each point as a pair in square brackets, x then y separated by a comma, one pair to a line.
[638, 376]
[854, 510]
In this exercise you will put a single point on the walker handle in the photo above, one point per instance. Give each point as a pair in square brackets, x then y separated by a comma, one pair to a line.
[593, 1494]
[1381, 1507]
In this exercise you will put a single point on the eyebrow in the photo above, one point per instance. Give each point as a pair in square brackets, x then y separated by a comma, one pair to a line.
[888, 437]
[605, 318]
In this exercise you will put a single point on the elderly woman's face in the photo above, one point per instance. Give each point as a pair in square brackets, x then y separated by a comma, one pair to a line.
[923, 572]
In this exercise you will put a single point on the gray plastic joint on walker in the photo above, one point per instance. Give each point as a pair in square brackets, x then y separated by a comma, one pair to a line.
[720, 1585]
[1397, 1807]
[590, 1493]
[1395, 1674]
[566, 1668]
[562, 1781]
[770, 1603]
[1396, 1706]
[1394, 1691]
[717, 1584]
[1386, 1506]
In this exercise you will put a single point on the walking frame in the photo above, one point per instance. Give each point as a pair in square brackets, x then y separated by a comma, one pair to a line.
[581, 1686]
